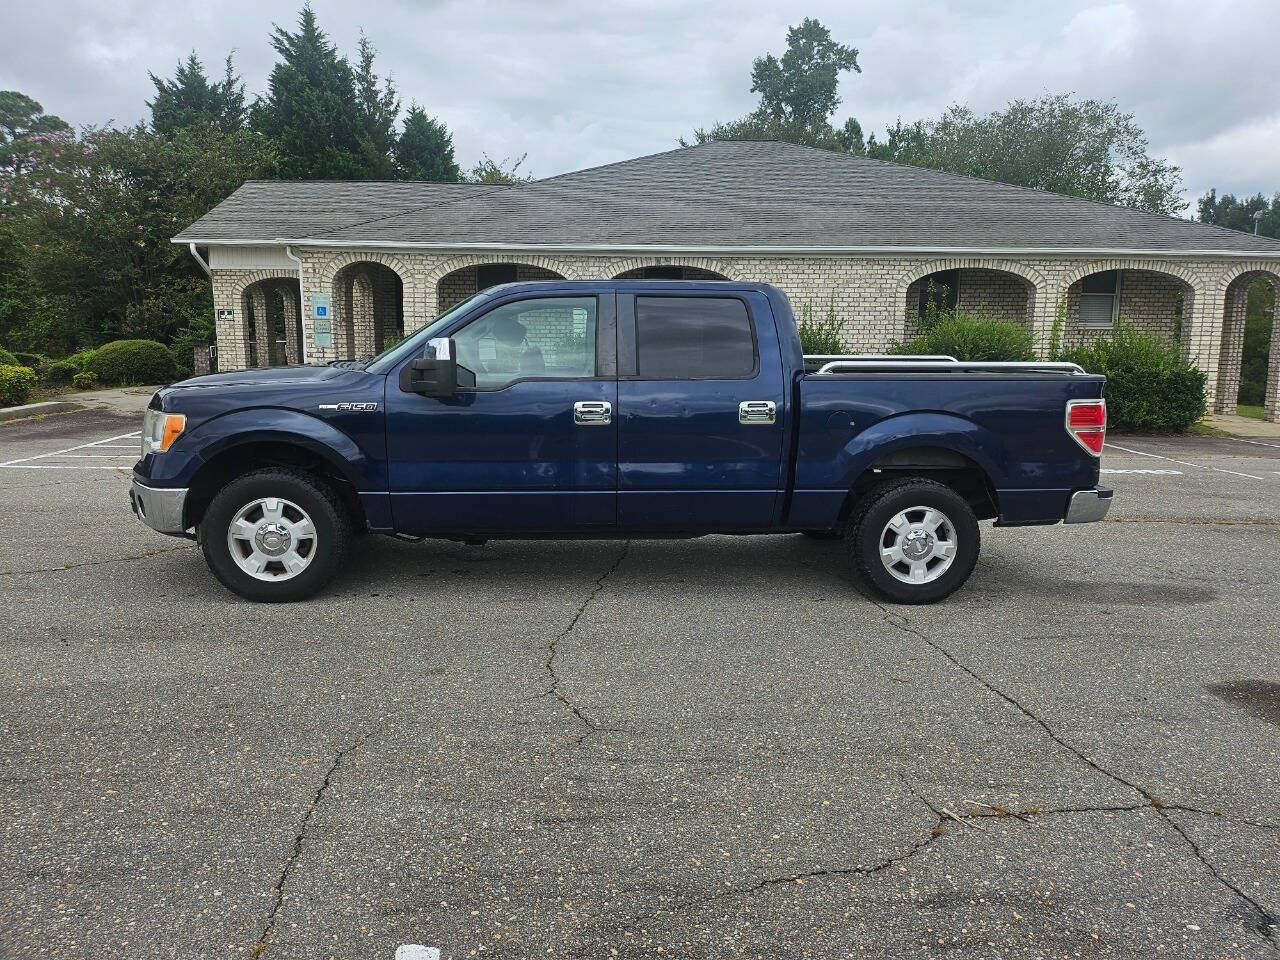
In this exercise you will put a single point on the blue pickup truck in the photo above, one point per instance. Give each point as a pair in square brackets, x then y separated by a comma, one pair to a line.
[619, 409]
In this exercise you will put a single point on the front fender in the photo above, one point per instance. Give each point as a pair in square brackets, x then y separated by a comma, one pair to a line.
[940, 430]
[193, 449]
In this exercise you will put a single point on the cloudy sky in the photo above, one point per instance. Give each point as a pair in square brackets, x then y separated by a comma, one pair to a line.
[574, 83]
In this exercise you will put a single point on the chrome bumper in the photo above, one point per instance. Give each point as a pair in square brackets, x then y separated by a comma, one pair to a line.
[1088, 506]
[158, 508]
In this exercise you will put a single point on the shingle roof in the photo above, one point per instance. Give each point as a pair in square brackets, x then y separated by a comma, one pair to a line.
[718, 195]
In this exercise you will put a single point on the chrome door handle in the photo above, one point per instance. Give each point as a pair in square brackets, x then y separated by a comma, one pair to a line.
[757, 411]
[592, 413]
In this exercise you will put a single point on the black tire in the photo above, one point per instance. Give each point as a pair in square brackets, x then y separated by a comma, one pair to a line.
[333, 533]
[864, 533]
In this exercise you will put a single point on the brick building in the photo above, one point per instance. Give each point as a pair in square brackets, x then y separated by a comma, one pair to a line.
[321, 271]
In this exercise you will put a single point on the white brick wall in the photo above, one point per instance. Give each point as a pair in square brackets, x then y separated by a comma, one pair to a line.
[871, 294]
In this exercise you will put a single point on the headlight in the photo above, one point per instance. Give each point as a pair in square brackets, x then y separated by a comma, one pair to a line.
[160, 430]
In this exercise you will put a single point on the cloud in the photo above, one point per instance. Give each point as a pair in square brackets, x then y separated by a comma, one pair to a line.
[575, 83]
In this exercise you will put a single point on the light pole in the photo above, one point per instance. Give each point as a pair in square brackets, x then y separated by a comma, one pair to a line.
[1256, 217]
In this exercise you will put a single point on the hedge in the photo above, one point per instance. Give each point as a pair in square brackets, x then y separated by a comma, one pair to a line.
[57, 372]
[16, 384]
[7, 359]
[968, 336]
[1150, 388]
[132, 363]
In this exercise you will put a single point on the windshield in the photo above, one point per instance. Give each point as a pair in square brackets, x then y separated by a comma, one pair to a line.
[416, 342]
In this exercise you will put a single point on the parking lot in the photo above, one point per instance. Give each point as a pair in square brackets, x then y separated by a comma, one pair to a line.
[714, 747]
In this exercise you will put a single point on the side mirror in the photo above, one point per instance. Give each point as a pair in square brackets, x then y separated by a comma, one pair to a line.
[436, 374]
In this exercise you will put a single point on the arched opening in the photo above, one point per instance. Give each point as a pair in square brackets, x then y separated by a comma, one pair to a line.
[979, 290]
[368, 308]
[1248, 376]
[461, 283]
[1150, 301]
[670, 271]
[272, 325]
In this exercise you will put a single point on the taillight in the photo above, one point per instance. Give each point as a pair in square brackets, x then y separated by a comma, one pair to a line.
[1087, 422]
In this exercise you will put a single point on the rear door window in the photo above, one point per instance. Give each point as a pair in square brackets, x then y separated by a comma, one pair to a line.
[694, 338]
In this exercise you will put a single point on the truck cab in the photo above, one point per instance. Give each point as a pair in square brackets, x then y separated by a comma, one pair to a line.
[613, 409]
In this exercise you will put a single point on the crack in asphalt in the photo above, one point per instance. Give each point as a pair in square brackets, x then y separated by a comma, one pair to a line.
[97, 563]
[1266, 924]
[936, 832]
[268, 929]
[557, 686]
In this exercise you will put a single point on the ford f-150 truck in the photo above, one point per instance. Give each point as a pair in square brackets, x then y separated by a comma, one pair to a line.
[619, 409]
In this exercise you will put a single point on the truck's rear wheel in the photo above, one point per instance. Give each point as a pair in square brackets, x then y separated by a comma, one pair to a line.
[914, 540]
[274, 535]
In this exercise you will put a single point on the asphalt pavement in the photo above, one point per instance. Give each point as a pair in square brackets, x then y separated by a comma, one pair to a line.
[712, 747]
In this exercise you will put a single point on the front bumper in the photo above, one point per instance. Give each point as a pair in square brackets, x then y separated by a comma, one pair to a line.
[1089, 506]
[158, 508]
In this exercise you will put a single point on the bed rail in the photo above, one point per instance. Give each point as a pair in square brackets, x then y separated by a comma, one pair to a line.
[932, 364]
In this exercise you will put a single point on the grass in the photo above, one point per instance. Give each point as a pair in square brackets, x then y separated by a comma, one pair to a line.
[1249, 410]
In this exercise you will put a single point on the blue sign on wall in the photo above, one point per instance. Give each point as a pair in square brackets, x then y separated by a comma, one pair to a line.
[322, 325]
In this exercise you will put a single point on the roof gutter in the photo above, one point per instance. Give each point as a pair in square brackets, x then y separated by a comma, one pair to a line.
[742, 249]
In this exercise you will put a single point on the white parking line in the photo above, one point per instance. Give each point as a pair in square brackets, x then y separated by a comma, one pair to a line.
[1185, 463]
[1256, 443]
[1158, 473]
[416, 951]
[28, 463]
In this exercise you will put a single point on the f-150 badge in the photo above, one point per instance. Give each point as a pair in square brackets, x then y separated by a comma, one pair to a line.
[344, 407]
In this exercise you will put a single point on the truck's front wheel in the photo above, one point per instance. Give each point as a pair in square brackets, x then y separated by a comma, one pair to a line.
[914, 540]
[274, 535]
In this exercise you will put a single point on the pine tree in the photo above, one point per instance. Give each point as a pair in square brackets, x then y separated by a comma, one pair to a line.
[190, 100]
[379, 106]
[425, 149]
[311, 110]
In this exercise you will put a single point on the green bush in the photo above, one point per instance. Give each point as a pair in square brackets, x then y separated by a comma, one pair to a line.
[81, 359]
[55, 373]
[32, 360]
[820, 336]
[971, 336]
[7, 359]
[1150, 388]
[132, 362]
[16, 384]
[84, 381]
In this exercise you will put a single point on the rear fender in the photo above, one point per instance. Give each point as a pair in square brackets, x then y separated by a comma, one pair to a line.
[939, 430]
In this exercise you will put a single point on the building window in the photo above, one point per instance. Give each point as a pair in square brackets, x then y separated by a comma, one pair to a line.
[1100, 298]
[663, 273]
[940, 292]
[491, 274]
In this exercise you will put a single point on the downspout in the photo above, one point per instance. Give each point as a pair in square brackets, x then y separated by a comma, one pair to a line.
[302, 301]
[200, 260]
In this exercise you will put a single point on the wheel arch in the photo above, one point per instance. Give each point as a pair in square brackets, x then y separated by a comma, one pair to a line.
[931, 461]
[289, 451]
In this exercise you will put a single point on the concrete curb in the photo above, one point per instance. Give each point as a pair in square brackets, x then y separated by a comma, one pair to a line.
[38, 409]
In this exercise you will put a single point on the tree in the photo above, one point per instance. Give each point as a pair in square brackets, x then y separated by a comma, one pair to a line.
[378, 108]
[798, 94]
[488, 170]
[1227, 211]
[190, 100]
[311, 110]
[26, 132]
[1080, 148]
[800, 89]
[92, 244]
[425, 149]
